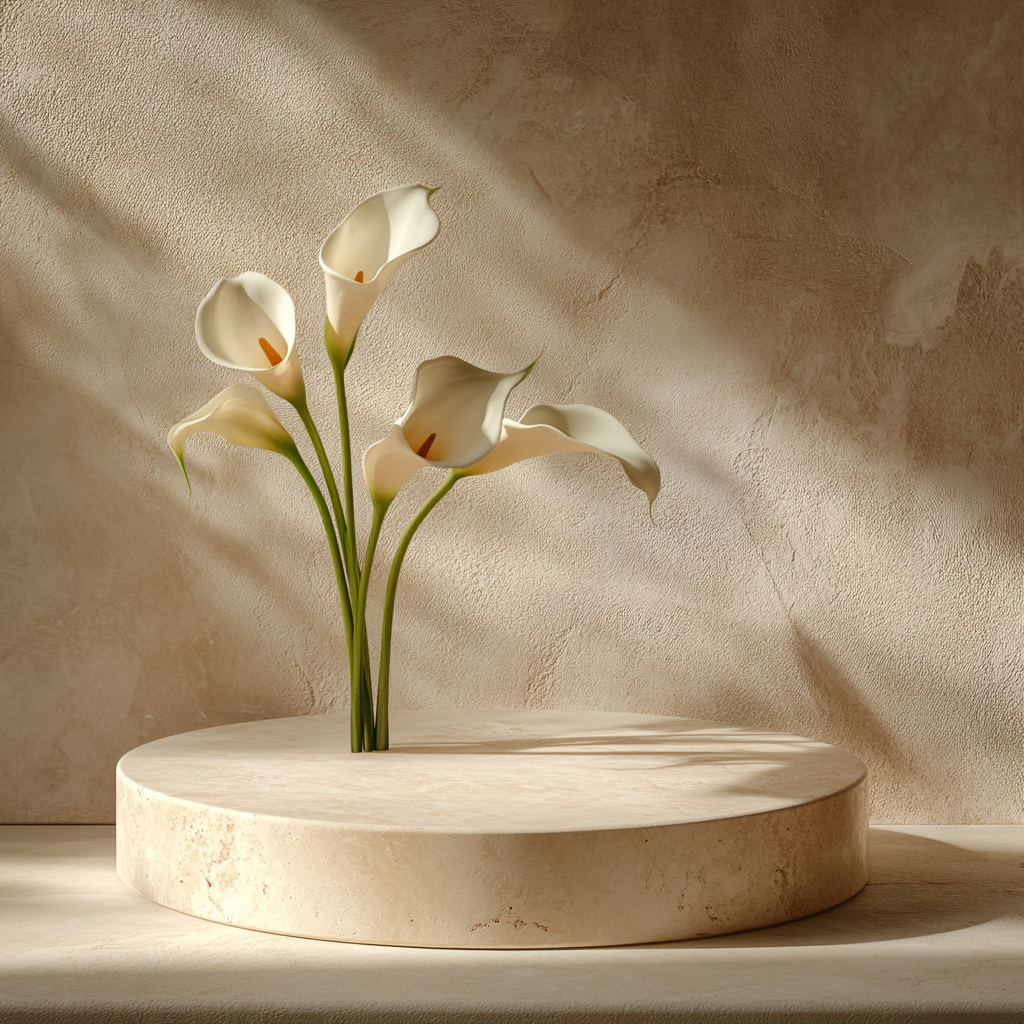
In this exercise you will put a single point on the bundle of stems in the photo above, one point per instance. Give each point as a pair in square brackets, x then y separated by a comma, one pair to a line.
[368, 717]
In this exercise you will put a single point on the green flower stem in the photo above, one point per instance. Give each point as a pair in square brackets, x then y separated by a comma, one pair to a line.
[339, 517]
[351, 556]
[366, 697]
[359, 645]
[325, 466]
[295, 458]
[351, 552]
[338, 364]
[389, 606]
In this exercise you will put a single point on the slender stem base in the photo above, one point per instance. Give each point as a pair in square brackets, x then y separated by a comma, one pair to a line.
[383, 676]
[363, 733]
[362, 694]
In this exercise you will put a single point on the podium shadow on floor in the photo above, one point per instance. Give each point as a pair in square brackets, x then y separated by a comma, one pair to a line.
[916, 886]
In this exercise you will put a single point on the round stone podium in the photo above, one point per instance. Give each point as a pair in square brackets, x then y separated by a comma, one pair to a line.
[498, 829]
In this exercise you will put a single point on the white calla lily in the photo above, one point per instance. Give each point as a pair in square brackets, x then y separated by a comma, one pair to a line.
[248, 323]
[543, 430]
[549, 429]
[361, 255]
[454, 420]
[240, 414]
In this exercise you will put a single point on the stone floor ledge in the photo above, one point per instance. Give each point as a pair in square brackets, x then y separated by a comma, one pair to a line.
[936, 936]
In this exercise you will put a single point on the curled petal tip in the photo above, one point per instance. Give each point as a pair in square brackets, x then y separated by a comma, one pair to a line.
[549, 429]
[527, 370]
[240, 415]
[184, 473]
[176, 442]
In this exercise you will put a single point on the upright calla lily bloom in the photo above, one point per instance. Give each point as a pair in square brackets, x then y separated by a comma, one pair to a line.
[548, 429]
[240, 414]
[360, 256]
[248, 323]
[454, 420]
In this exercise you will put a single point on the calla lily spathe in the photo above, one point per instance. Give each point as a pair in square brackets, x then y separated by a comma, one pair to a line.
[454, 420]
[361, 255]
[549, 429]
[240, 414]
[543, 430]
[248, 323]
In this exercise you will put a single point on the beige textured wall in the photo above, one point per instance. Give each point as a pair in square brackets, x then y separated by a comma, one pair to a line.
[780, 240]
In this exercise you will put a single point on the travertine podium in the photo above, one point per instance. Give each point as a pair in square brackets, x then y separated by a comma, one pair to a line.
[494, 828]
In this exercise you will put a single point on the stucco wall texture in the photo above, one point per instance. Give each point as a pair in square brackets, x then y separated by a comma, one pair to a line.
[781, 241]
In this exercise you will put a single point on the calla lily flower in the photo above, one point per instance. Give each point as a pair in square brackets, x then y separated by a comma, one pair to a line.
[454, 420]
[360, 256]
[548, 429]
[248, 323]
[543, 430]
[240, 414]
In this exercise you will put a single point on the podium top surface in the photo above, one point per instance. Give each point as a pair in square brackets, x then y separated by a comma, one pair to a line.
[496, 771]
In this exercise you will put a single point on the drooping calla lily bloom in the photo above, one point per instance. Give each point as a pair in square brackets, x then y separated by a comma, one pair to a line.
[360, 256]
[248, 323]
[454, 420]
[240, 414]
[549, 429]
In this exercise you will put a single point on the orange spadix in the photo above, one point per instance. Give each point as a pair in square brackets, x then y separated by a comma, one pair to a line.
[269, 351]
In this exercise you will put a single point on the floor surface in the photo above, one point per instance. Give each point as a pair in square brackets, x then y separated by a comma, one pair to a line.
[937, 935]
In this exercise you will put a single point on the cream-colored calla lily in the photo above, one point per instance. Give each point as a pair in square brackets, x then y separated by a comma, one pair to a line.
[454, 420]
[248, 323]
[360, 256]
[240, 414]
[548, 429]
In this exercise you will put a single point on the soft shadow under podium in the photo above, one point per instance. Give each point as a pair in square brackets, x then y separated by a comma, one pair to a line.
[916, 886]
